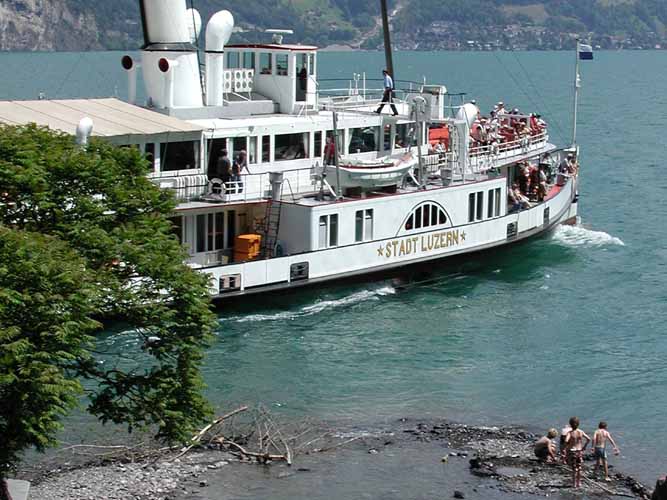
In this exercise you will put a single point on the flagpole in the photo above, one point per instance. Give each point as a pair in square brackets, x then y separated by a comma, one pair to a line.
[577, 84]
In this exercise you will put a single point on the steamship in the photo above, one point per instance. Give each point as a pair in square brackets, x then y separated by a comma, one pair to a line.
[329, 188]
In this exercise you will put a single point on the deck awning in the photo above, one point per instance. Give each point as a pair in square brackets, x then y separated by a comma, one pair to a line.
[113, 119]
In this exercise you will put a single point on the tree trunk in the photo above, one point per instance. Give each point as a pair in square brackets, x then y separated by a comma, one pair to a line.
[4, 490]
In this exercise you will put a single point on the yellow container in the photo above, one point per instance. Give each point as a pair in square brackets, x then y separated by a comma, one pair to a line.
[243, 256]
[248, 243]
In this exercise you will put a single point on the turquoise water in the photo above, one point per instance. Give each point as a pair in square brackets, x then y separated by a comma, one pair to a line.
[569, 324]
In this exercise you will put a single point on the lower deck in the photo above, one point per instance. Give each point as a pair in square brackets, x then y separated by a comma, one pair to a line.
[406, 247]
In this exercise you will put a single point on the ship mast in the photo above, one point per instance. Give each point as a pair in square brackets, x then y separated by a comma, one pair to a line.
[577, 85]
[387, 39]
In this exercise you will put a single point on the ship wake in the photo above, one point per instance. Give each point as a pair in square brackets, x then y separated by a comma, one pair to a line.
[579, 236]
[317, 307]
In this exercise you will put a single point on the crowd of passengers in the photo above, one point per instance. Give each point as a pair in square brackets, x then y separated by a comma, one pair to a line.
[531, 182]
[504, 126]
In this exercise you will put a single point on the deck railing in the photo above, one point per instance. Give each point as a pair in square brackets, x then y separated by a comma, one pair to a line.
[482, 158]
[253, 187]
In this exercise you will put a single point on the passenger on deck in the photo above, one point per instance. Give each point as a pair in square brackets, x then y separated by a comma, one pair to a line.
[329, 152]
[440, 147]
[545, 449]
[221, 169]
[240, 163]
[517, 199]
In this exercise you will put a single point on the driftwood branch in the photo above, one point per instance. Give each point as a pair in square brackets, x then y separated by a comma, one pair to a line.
[197, 437]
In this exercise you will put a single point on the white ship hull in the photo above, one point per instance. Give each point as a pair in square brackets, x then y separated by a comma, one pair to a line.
[401, 251]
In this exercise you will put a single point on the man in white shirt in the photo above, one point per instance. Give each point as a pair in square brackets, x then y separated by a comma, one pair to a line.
[388, 93]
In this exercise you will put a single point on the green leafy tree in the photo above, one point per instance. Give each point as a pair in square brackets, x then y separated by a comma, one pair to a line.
[98, 202]
[45, 327]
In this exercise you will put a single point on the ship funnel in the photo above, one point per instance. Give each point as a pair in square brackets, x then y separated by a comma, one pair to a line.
[193, 21]
[169, 32]
[218, 31]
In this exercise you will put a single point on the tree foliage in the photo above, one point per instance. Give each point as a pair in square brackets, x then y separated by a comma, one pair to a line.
[45, 327]
[100, 211]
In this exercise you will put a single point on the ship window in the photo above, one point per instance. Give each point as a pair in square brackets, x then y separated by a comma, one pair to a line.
[497, 202]
[363, 140]
[359, 226]
[328, 231]
[318, 145]
[311, 63]
[333, 230]
[238, 144]
[442, 218]
[363, 225]
[471, 207]
[178, 155]
[177, 224]
[418, 218]
[405, 135]
[265, 63]
[281, 64]
[252, 150]
[266, 148]
[491, 205]
[149, 151]
[232, 60]
[200, 242]
[427, 215]
[211, 231]
[249, 60]
[324, 224]
[409, 224]
[291, 146]
[434, 215]
[480, 205]
[231, 228]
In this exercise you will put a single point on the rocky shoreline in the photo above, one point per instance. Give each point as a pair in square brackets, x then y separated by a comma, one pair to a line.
[498, 459]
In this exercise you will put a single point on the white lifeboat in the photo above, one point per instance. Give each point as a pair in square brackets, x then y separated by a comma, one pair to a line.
[369, 174]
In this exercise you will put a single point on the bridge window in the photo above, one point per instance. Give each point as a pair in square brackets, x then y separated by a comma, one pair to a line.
[291, 146]
[265, 63]
[266, 148]
[281, 64]
[249, 60]
[363, 140]
[179, 155]
[311, 63]
[233, 60]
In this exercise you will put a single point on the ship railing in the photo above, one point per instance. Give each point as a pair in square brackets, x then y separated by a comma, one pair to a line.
[484, 157]
[253, 187]
[360, 92]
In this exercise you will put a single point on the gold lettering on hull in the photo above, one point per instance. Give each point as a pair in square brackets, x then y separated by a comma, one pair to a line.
[421, 244]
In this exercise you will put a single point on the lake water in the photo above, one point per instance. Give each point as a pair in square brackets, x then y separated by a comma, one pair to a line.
[570, 324]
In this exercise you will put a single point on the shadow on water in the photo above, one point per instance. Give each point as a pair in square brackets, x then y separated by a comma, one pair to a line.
[457, 275]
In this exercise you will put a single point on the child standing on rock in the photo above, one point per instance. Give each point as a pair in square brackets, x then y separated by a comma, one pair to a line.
[599, 448]
[575, 445]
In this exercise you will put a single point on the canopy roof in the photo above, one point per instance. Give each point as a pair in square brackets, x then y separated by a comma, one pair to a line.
[114, 119]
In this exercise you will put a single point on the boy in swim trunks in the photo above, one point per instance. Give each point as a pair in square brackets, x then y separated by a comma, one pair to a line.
[575, 445]
[599, 448]
[544, 448]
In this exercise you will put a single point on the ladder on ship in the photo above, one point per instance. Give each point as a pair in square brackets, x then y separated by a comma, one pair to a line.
[272, 219]
[271, 228]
